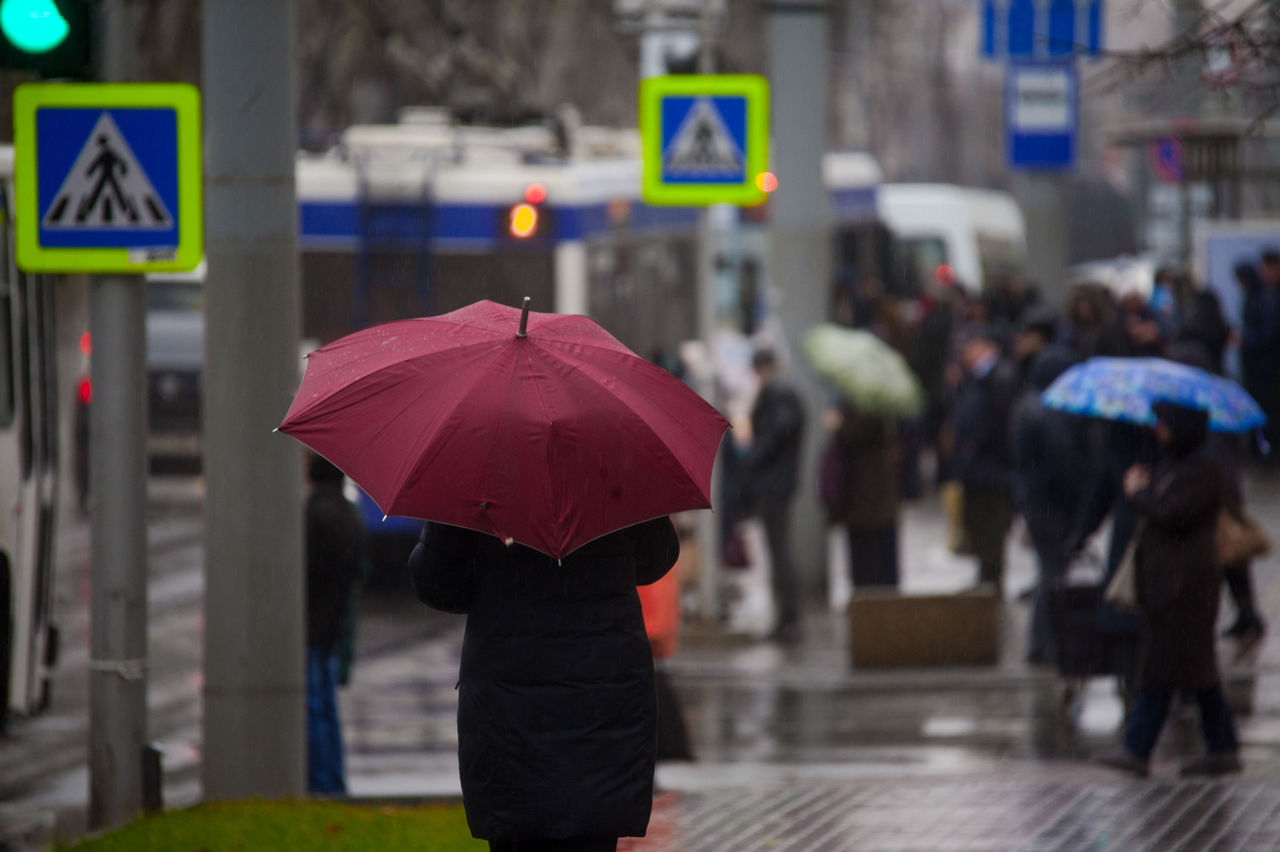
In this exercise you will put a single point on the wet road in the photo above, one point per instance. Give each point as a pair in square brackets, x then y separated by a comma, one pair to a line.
[758, 714]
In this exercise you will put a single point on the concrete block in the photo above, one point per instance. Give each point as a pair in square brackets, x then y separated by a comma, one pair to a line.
[888, 629]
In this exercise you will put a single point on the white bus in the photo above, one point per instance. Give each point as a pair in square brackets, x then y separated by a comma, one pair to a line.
[955, 233]
[29, 470]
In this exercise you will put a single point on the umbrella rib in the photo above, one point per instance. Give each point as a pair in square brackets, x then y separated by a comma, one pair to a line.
[425, 439]
[312, 412]
[653, 431]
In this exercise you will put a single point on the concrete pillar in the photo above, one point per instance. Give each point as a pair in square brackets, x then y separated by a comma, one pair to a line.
[800, 232]
[254, 713]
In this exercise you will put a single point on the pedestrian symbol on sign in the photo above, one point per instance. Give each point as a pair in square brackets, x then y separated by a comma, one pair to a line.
[107, 188]
[703, 147]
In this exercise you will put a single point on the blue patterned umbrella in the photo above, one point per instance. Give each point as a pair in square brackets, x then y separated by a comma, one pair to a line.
[1124, 388]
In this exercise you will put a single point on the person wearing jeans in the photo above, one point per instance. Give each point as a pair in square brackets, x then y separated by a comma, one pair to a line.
[333, 552]
[1150, 709]
[1178, 585]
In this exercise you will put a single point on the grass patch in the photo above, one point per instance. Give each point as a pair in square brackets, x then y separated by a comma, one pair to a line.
[303, 825]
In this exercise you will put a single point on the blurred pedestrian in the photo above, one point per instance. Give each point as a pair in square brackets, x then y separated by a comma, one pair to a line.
[983, 464]
[1260, 337]
[1140, 333]
[333, 553]
[931, 352]
[870, 496]
[1050, 447]
[1177, 584]
[1248, 626]
[1037, 329]
[1206, 326]
[1090, 320]
[772, 472]
[556, 703]
[1168, 291]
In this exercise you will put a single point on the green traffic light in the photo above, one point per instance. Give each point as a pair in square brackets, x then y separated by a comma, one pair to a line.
[35, 26]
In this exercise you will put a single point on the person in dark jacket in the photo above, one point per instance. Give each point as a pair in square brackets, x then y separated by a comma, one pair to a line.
[982, 460]
[1049, 449]
[1205, 326]
[557, 712]
[1260, 339]
[773, 467]
[871, 495]
[1248, 626]
[333, 553]
[1178, 582]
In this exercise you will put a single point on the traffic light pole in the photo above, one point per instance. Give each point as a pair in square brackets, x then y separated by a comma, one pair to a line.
[254, 713]
[118, 550]
[118, 545]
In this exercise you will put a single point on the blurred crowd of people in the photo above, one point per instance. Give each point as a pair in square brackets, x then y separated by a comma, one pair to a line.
[999, 453]
[983, 361]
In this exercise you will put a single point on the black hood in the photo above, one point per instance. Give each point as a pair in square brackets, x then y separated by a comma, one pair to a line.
[1190, 426]
[1049, 363]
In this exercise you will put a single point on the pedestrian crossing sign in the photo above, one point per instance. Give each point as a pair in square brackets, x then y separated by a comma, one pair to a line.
[705, 138]
[107, 177]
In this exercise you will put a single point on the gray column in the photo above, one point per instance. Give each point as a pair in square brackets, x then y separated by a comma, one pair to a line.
[118, 550]
[799, 229]
[118, 500]
[254, 715]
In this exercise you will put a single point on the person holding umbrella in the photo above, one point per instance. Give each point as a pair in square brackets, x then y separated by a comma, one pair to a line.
[1178, 582]
[557, 714]
[546, 458]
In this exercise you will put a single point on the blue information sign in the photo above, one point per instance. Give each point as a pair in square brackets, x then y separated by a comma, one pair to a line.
[1035, 29]
[1041, 110]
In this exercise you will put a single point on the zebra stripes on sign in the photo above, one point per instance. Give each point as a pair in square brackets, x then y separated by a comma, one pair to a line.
[107, 188]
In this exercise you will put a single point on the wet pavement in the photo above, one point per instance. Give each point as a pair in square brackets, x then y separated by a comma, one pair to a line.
[796, 748]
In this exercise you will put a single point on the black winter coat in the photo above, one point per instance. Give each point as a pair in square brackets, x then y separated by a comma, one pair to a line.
[1050, 449]
[334, 538]
[981, 422]
[777, 428]
[1178, 576]
[557, 713]
[872, 471]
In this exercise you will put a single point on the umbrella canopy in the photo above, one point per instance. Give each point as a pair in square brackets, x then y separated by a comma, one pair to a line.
[1124, 388]
[865, 370]
[551, 437]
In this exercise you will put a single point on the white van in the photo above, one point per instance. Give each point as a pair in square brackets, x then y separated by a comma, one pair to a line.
[947, 232]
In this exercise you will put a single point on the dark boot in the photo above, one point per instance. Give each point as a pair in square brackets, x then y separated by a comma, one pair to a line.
[1213, 763]
[1248, 626]
[1126, 761]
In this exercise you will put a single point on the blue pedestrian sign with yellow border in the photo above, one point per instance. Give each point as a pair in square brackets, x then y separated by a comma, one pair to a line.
[705, 138]
[107, 177]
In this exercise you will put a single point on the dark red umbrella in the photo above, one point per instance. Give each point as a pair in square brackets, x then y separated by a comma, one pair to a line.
[551, 438]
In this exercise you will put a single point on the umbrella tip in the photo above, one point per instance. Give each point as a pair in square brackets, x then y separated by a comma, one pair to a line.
[524, 318]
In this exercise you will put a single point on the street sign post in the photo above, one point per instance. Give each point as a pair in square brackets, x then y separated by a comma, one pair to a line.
[107, 177]
[705, 139]
[1041, 112]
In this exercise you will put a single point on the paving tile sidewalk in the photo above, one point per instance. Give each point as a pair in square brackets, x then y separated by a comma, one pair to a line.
[1018, 809]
